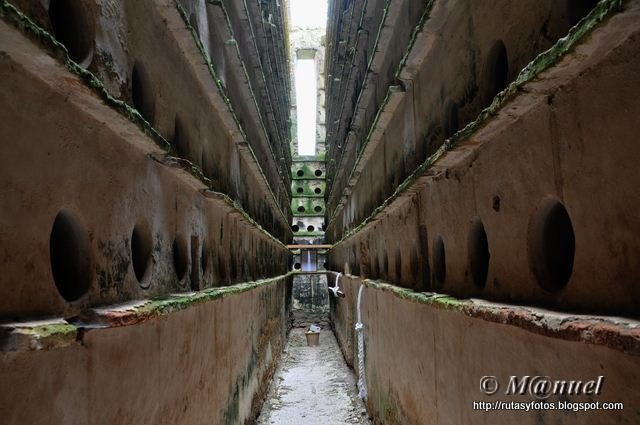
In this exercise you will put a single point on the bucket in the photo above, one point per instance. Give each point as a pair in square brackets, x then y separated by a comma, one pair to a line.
[313, 338]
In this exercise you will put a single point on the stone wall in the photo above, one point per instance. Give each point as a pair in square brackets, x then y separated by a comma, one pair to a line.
[426, 354]
[532, 204]
[191, 359]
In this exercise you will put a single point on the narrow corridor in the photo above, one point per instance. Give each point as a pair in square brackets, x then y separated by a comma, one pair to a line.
[313, 385]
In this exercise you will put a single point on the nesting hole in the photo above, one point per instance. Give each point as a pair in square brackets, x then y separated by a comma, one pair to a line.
[318, 173]
[578, 9]
[317, 208]
[310, 228]
[141, 248]
[295, 228]
[180, 138]
[300, 190]
[180, 256]
[451, 124]
[439, 262]
[73, 26]
[497, 70]
[142, 93]
[70, 255]
[552, 245]
[478, 247]
[300, 173]
[317, 191]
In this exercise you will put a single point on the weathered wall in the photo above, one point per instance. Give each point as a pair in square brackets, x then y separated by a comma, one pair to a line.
[205, 358]
[404, 80]
[310, 301]
[476, 222]
[425, 356]
[97, 206]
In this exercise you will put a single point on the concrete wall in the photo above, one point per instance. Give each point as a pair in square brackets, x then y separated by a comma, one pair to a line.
[566, 138]
[425, 357]
[204, 358]
[97, 206]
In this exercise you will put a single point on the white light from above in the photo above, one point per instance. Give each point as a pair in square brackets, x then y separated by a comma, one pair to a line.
[308, 13]
[306, 100]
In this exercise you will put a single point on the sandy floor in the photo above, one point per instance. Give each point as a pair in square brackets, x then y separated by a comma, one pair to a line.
[313, 385]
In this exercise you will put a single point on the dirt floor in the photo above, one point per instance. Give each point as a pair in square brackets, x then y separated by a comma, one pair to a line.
[313, 385]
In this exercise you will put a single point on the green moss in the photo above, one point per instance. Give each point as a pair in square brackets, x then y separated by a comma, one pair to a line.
[182, 302]
[223, 93]
[542, 62]
[444, 302]
[12, 15]
[63, 330]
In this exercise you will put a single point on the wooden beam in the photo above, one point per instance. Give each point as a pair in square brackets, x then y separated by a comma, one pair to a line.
[309, 246]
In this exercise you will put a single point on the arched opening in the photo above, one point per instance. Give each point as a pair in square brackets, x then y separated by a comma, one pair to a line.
[439, 263]
[180, 256]
[71, 256]
[141, 248]
[414, 263]
[180, 139]
[578, 9]
[478, 248]
[398, 261]
[204, 258]
[142, 94]
[496, 70]
[552, 245]
[451, 124]
[72, 24]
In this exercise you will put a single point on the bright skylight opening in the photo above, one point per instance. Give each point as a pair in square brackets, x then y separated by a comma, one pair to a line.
[308, 13]
[306, 100]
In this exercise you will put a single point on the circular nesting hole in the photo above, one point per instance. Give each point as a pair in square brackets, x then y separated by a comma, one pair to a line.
[180, 256]
[300, 173]
[552, 245]
[398, 261]
[497, 70]
[317, 208]
[180, 138]
[204, 258]
[317, 191]
[141, 248]
[295, 228]
[450, 118]
[73, 26]
[300, 190]
[142, 93]
[70, 256]
[296, 266]
[578, 9]
[301, 209]
[318, 173]
[439, 262]
[310, 228]
[478, 248]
